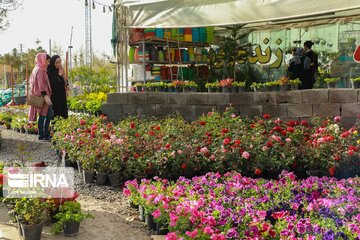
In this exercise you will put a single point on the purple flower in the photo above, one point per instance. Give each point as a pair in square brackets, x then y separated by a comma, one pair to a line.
[329, 235]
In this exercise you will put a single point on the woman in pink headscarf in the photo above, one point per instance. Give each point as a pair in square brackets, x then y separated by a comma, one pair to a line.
[40, 86]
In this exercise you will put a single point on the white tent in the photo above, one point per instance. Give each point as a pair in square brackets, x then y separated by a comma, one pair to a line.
[255, 14]
[193, 13]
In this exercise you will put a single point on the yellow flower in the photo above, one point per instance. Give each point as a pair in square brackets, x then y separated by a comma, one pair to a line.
[358, 142]
[355, 133]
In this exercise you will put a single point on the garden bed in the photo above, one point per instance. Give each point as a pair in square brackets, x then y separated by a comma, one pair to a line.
[232, 206]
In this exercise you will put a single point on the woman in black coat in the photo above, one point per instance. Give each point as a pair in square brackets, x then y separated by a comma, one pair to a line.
[58, 87]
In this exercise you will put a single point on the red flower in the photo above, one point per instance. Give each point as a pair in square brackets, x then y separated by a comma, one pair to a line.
[136, 156]
[304, 123]
[132, 125]
[151, 133]
[269, 144]
[258, 172]
[82, 122]
[332, 171]
[283, 132]
[345, 134]
[224, 130]
[353, 148]
[202, 123]
[237, 142]
[183, 166]
[157, 127]
[167, 146]
[266, 116]
[226, 141]
[137, 134]
[337, 158]
[290, 129]
[1, 179]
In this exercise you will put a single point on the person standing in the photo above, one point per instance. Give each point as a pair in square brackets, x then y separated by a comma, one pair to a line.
[58, 87]
[310, 66]
[40, 86]
[296, 64]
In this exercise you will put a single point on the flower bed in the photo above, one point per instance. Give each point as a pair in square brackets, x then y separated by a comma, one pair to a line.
[236, 207]
[172, 147]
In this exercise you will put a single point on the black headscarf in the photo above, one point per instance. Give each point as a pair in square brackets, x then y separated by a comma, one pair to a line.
[51, 69]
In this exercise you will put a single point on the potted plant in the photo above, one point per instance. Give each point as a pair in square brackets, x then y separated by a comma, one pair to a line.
[226, 84]
[274, 86]
[31, 213]
[178, 85]
[284, 84]
[331, 82]
[190, 86]
[256, 86]
[212, 86]
[294, 83]
[356, 82]
[139, 86]
[69, 218]
[239, 86]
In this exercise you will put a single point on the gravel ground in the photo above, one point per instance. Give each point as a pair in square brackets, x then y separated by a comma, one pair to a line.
[113, 218]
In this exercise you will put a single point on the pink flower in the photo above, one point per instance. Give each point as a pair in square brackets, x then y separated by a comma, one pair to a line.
[192, 234]
[226, 141]
[207, 230]
[126, 192]
[171, 236]
[217, 237]
[173, 219]
[245, 155]
[288, 140]
[156, 213]
[337, 119]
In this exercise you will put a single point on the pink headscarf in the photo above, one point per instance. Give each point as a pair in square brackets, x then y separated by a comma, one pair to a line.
[40, 61]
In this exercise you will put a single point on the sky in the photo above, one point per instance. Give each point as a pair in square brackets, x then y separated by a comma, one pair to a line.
[52, 20]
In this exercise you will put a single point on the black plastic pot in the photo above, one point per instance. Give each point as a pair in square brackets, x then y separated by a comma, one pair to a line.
[115, 179]
[71, 228]
[160, 229]
[31, 232]
[141, 213]
[150, 223]
[102, 178]
[88, 176]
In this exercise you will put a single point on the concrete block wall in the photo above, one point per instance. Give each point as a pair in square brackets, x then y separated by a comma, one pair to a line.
[287, 105]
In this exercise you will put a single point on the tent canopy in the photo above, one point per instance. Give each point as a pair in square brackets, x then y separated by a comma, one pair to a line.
[253, 13]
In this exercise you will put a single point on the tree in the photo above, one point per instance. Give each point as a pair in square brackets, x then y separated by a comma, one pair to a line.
[5, 7]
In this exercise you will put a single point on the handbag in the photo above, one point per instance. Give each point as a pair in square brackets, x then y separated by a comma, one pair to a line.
[36, 101]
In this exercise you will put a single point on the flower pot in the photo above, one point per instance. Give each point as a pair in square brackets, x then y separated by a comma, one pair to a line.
[161, 229]
[284, 87]
[79, 166]
[275, 88]
[186, 89]
[193, 89]
[141, 213]
[225, 89]
[133, 205]
[88, 176]
[139, 88]
[331, 85]
[233, 89]
[294, 87]
[150, 223]
[102, 178]
[171, 89]
[71, 228]
[19, 226]
[31, 232]
[241, 89]
[115, 179]
[356, 84]
[211, 90]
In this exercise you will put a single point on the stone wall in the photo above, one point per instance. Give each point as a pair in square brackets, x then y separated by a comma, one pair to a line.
[286, 105]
